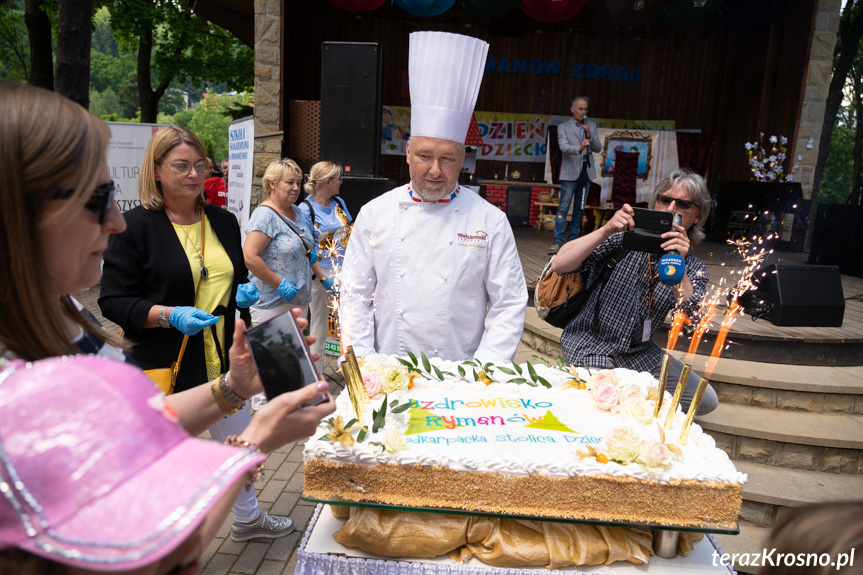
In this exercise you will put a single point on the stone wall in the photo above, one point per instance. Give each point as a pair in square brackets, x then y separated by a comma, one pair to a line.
[805, 149]
[268, 91]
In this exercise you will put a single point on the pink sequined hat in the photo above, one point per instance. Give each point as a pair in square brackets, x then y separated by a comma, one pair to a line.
[95, 471]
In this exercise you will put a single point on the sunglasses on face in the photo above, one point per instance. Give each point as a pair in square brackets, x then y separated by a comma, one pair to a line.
[665, 201]
[100, 203]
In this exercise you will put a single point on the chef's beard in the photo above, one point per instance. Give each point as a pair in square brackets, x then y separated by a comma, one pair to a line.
[431, 193]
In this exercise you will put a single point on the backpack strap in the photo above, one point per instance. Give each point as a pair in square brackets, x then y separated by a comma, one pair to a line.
[344, 209]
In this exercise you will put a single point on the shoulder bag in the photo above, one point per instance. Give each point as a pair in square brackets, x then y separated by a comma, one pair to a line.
[559, 297]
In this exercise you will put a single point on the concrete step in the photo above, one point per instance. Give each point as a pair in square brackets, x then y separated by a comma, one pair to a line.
[831, 443]
[771, 489]
[789, 387]
[815, 388]
[751, 539]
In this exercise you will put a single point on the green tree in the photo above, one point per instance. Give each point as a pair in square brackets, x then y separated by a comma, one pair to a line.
[14, 46]
[847, 47]
[174, 44]
[103, 35]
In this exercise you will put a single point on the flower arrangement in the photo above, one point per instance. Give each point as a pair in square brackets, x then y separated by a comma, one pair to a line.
[767, 161]
[625, 446]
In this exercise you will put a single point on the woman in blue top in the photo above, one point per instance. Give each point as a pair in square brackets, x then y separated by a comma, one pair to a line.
[278, 249]
[330, 222]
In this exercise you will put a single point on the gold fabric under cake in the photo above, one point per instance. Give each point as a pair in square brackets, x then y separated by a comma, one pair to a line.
[591, 497]
[499, 542]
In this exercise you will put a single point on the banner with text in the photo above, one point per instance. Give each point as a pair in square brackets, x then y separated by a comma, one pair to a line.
[506, 137]
[241, 169]
[125, 155]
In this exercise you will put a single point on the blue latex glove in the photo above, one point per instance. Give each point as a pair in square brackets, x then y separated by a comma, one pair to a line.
[313, 257]
[247, 294]
[191, 320]
[287, 291]
[328, 284]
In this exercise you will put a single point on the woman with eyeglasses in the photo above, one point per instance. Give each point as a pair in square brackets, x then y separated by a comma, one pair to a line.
[615, 326]
[58, 217]
[174, 272]
[331, 224]
[279, 250]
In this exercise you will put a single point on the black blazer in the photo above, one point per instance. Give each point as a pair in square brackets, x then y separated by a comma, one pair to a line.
[146, 266]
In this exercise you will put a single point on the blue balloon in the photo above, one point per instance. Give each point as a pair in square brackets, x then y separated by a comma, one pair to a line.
[425, 7]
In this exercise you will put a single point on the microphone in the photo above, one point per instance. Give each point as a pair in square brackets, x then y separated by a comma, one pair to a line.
[671, 266]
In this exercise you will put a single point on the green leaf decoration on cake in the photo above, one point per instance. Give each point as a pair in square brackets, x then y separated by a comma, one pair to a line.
[461, 371]
[426, 362]
[551, 422]
[413, 358]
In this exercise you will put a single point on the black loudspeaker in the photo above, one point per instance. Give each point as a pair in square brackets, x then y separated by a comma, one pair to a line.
[838, 238]
[796, 295]
[518, 206]
[351, 106]
[356, 192]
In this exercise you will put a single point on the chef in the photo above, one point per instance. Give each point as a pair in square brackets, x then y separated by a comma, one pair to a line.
[431, 266]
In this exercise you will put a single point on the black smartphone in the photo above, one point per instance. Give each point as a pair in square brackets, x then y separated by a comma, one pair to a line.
[282, 356]
[649, 227]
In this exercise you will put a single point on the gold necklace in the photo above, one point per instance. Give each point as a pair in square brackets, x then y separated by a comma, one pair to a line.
[205, 273]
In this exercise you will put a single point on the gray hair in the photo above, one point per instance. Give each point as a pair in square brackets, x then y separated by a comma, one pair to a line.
[698, 193]
[577, 98]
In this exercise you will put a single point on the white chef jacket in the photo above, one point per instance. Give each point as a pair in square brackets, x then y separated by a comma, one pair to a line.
[439, 278]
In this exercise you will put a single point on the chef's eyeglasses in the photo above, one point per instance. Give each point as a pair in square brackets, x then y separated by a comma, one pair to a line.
[100, 203]
[665, 201]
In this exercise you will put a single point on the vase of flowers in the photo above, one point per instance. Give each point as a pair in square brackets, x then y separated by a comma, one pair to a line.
[767, 161]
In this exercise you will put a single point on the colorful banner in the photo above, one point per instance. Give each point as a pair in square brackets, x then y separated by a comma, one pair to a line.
[506, 137]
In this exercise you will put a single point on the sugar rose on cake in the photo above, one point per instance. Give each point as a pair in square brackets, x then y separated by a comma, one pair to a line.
[526, 442]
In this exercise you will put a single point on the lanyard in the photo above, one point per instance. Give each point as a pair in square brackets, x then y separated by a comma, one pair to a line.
[654, 277]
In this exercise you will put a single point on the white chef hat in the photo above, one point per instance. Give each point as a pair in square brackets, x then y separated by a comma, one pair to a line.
[445, 73]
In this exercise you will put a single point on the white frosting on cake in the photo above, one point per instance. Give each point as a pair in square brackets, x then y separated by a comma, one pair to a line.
[503, 427]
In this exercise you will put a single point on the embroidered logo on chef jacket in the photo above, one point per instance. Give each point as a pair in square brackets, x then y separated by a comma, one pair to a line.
[479, 239]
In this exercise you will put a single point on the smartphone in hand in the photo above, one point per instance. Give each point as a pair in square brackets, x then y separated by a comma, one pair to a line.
[649, 227]
[282, 356]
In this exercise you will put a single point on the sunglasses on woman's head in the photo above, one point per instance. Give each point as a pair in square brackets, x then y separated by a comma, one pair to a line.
[100, 202]
[662, 200]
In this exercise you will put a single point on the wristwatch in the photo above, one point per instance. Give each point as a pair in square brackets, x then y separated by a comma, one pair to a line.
[164, 321]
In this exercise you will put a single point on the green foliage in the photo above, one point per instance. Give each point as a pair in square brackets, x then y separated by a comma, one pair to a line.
[103, 37]
[184, 46]
[836, 180]
[14, 44]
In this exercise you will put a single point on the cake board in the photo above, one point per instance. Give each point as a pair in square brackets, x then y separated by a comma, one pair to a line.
[319, 554]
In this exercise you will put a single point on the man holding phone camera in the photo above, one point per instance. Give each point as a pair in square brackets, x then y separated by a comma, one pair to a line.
[615, 326]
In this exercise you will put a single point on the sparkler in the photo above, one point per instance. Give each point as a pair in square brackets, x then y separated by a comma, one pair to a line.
[663, 378]
[693, 409]
[678, 394]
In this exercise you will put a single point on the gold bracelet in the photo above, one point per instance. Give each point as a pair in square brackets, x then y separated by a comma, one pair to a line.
[229, 402]
[257, 472]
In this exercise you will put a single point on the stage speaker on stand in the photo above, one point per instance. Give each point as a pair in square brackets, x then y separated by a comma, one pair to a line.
[351, 106]
[796, 295]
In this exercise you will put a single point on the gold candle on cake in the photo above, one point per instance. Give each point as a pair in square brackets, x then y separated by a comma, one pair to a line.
[354, 384]
[663, 378]
[693, 409]
[678, 394]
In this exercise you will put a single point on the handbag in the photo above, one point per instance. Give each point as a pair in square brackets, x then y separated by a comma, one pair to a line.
[165, 378]
[559, 297]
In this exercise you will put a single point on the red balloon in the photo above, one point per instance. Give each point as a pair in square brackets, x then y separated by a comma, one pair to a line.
[551, 10]
[357, 5]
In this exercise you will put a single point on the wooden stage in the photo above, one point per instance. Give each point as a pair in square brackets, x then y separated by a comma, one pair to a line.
[776, 344]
